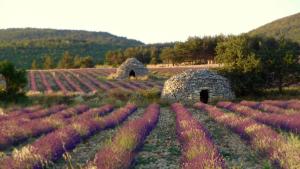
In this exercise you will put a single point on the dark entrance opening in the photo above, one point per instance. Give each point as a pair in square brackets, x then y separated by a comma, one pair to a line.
[131, 73]
[204, 96]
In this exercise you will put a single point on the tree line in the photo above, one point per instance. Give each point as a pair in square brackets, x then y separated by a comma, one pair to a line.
[196, 50]
[23, 52]
[252, 63]
[256, 63]
[67, 61]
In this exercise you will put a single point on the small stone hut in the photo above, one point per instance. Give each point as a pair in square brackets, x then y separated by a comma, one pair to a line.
[131, 68]
[197, 85]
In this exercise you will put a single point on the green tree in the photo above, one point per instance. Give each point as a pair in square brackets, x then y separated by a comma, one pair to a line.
[77, 61]
[189, 51]
[280, 60]
[255, 63]
[34, 65]
[66, 62]
[140, 53]
[15, 79]
[196, 50]
[237, 55]
[83, 62]
[48, 62]
[114, 57]
[167, 55]
[108, 56]
[132, 53]
[241, 64]
[87, 62]
[154, 55]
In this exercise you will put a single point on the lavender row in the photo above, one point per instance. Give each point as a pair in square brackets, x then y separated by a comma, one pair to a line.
[59, 83]
[29, 115]
[87, 82]
[198, 148]
[89, 85]
[269, 108]
[19, 112]
[45, 82]
[283, 121]
[107, 83]
[92, 113]
[17, 120]
[52, 146]
[93, 80]
[121, 151]
[14, 132]
[281, 153]
[72, 83]
[33, 86]
[286, 104]
[30, 108]
[118, 83]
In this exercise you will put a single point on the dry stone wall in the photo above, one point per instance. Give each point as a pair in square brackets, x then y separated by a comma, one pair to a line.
[186, 87]
[131, 67]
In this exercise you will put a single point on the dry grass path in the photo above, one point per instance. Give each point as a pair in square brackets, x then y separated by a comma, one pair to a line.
[86, 150]
[161, 148]
[236, 152]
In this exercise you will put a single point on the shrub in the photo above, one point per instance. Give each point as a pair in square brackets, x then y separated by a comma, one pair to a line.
[15, 79]
[144, 97]
[118, 94]
[256, 63]
[150, 94]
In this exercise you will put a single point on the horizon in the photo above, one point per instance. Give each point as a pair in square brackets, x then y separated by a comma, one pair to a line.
[146, 21]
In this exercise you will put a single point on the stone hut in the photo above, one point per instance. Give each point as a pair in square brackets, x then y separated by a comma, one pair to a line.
[197, 85]
[131, 68]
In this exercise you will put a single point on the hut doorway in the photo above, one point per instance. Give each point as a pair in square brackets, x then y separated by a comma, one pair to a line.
[204, 96]
[131, 73]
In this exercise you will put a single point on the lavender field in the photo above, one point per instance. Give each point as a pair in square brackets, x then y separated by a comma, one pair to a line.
[155, 84]
[230, 135]
[90, 80]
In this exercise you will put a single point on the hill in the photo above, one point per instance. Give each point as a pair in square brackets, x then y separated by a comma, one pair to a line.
[21, 46]
[288, 26]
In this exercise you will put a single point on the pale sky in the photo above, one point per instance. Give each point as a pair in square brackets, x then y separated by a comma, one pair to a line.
[149, 21]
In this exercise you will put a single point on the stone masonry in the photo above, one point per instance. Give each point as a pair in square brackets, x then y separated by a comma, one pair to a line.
[186, 87]
[131, 68]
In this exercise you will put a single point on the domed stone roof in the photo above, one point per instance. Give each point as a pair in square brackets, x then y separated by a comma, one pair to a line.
[131, 68]
[189, 75]
[197, 85]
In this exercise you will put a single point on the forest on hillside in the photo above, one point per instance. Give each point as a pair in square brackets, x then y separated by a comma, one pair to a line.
[289, 27]
[195, 50]
[23, 46]
[31, 48]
